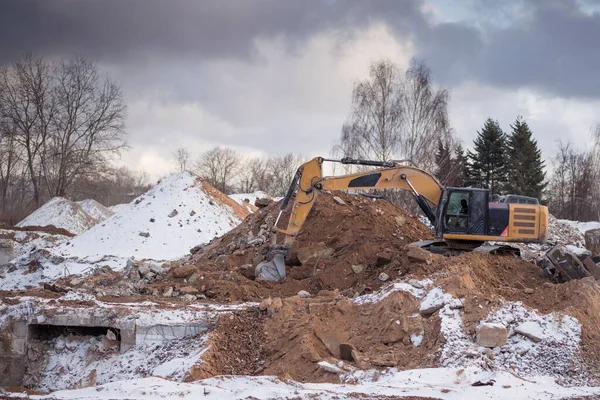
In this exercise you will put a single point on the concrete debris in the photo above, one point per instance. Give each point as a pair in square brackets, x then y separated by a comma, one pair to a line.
[358, 268]
[339, 201]
[592, 241]
[383, 277]
[532, 330]
[384, 257]
[168, 292]
[173, 214]
[491, 335]
[144, 234]
[418, 254]
[303, 294]
[110, 335]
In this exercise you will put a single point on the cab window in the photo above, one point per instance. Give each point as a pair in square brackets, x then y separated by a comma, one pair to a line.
[457, 212]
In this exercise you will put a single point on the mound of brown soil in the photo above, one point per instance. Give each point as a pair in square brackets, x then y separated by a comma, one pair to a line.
[341, 246]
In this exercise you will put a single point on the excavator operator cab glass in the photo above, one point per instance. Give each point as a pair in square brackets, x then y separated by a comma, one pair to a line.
[457, 212]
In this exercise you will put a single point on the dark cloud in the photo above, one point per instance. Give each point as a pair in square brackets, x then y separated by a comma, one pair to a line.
[550, 45]
[119, 30]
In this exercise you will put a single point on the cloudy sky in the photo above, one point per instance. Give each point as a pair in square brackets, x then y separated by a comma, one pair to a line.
[275, 76]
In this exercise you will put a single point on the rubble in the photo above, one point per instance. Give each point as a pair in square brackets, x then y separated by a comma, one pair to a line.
[491, 335]
[592, 241]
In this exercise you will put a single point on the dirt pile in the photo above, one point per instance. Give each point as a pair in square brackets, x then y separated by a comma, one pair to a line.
[343, 245]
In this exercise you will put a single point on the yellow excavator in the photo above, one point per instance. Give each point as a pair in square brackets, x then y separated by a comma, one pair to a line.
[463, 219]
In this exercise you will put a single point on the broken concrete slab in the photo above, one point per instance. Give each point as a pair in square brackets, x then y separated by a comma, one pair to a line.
[531, 330]
[567, 263]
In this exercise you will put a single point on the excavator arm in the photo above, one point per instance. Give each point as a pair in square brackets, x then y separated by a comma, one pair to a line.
[309, 181]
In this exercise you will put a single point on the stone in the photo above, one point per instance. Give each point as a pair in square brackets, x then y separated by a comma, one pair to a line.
[222, 260]
[384, 257]
[196, 248]
[531, 330]
[383, 277]
[188, 298]
[185, 271]
[358, 268]
[168, 292]
[591, 267]
[491, 335]
[130, 264]
[145, 234]
[592, 241]
[339, 201]
[189, 290]
[152, 220]
[75, 281]
[314, 252]
[418, 254]
[528, 291]
[400, 220]
[567, 263]
[143, 269]
[303, 294]
[265, 304]
[415, 283]
[157, 269]
[262, 202]
[275, 306]
[110, 335]
[193, 278]
[173, 213]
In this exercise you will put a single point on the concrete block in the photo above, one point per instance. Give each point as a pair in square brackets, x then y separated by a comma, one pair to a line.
[491, 335]
[12, 370]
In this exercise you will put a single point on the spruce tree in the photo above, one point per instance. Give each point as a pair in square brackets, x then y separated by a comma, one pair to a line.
[524, 160]
[486, 164]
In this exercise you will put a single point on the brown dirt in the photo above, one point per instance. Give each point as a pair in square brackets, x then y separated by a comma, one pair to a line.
[9, 231]
[356, 233]
[222, 198]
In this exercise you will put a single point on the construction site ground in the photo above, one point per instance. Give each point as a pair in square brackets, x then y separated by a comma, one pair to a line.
[361, 314]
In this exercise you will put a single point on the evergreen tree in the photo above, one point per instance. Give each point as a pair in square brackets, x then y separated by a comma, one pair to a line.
[443, 161]
[486, 164]
[524, 161]
[459, 165]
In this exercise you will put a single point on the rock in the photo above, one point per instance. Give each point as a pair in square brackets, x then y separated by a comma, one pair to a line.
[384, 257]
[193, 278]
[173, 213]
[532, 330]
[303, 294]
[192, 213]
[188, 298]
[223, 260]
[358, 268]
[145, 234]
[75, 281]
[400, 220]
[592, 241]
[415, 283]
[110, 335]
[265, 304]
[591, 267]
[157, 269]
[185, 271]
[418, 254]
[339, 201]
[189, 290]
[152, 220]
[262, 202]
[144, 269]
[275, 306]
[196, 248]
[491, 335]
[528, 291]
[435, 300]
[330, 367]
[314, 252]
[130, 264]
[168, 292]
[383, 277]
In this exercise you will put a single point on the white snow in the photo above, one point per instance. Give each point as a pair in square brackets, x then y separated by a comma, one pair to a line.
[198, 218]
[418, 292]
[95, 209]
[439, 383]
[581, 226]
[61, 213]
[117, 207]
[251, 197]
[577, 250]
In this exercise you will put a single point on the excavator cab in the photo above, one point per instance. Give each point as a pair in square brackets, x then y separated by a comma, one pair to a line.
[462, 211]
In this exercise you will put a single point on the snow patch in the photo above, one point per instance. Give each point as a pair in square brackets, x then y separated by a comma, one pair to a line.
[61, 213]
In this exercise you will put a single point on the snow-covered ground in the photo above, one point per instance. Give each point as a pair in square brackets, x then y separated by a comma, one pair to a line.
[61, 213]
[582, 226]
[95, 209]
[439, 383]
[162, 224]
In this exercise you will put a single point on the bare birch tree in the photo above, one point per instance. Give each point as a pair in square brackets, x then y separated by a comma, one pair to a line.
[182, 158]
[219, 166]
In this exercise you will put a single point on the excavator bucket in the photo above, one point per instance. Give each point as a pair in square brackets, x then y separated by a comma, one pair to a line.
[273, 270]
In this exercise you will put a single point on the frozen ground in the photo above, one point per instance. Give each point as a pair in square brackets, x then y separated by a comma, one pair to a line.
[96, 210]
[439, 383]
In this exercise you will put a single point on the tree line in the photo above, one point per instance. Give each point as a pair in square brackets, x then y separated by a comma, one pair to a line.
[401, 115]
[231, 172]
[61, 124]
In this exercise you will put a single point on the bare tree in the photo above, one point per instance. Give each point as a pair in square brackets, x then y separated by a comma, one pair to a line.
[26, 100]
[88, 124]
[9, 159]
[182, 158]
[396, 117]
[219, 166]
[282, 170]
